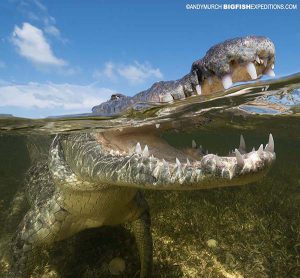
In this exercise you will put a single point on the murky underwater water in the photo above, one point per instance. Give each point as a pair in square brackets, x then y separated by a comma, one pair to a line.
[243, 231]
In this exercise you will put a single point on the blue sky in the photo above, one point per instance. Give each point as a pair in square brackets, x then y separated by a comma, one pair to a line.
[64, 56]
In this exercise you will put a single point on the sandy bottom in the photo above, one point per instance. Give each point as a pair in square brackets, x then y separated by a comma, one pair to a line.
[250, 231]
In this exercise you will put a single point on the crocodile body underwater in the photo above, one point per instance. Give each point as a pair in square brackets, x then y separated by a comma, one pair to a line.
[94, 179]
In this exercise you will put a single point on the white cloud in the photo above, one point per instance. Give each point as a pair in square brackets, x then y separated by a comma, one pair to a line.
[37, 11]
[108, 71]
[40, 5]
[65, 98]
[52, 30]
[135, 73]
[32, 45]
[138, 73]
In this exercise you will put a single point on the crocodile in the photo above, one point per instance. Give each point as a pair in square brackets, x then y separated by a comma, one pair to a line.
[95, 179]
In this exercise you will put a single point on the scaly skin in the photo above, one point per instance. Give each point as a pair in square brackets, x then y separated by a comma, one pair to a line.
[92, 180]
[234, 60]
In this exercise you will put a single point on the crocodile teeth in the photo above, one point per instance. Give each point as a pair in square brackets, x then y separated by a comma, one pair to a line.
[251, 70]
[257, 59]
[194, 145]
[265, 62]
[188, 163]
[272, 67]
[201, 150]
[146, 152]
[253, 149]
[198, 89]
[156, 171]
[227, 81]
[270, 146]
[157, 125]
[242, 146]
[178, 162]
[138, 148]
[239, 158]
[166, 165]
[270, 72]
[260, 149]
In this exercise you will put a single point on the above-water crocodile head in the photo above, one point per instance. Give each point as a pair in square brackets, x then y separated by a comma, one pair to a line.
[235, 60]
[145, 158]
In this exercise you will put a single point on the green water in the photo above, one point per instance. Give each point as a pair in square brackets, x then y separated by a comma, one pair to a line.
[245, 231]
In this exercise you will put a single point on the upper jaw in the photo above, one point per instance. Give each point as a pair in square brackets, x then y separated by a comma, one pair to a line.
[235, 60]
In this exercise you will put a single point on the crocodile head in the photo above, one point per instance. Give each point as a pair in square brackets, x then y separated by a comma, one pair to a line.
[235, 60]
[139, 157]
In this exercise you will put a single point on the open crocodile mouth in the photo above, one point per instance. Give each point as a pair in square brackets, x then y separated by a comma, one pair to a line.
[140, 157]
[236, 60]
[143, 154]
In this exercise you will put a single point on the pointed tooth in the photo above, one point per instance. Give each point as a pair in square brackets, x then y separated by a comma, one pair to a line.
[260, 149]
[242, 143]
[270, 145]
[198, 89]
[117, 153]
[251, 70]
[227, 81]
[111, 152]
[178, 162]
[138, 148]
[265, 61]
[266, 147]
[194, 145]
[270, 72]
[253, 149]
[152, 159]
[257, 59]
[146, 151]
[201, 151]
[188, 163]
[157, 125]
[239, 158]
[156, 171]
[272, 67]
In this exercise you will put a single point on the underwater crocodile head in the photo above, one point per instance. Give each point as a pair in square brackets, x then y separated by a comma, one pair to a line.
[92, 180]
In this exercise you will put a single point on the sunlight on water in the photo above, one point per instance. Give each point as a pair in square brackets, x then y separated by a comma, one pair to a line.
[244, 231]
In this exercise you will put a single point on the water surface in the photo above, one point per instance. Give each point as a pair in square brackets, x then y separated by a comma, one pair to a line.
[254, 228]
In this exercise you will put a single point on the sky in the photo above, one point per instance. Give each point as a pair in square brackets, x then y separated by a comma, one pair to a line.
[64, 57]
